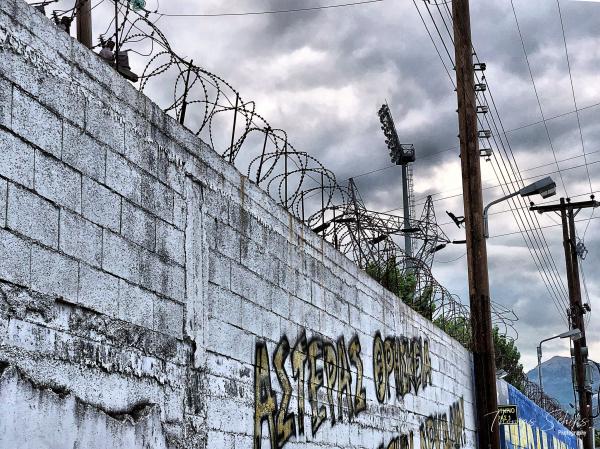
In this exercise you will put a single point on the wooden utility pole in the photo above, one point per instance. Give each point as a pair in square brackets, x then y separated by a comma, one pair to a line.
[576, 311]
[486, 402]
[84, 22]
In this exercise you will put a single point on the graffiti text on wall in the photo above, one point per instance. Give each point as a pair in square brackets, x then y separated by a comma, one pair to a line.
[408, 360]
[444, 430]
[318, 365]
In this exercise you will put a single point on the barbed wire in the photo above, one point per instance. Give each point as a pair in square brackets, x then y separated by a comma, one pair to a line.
[216, 112]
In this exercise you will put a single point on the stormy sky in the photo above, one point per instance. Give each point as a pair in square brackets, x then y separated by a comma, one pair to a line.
[321, 75]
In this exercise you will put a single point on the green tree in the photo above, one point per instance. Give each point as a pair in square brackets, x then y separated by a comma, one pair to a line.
[597, 438]
[508, 358]
[403, 285]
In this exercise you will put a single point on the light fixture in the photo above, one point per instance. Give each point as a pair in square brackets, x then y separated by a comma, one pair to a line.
[573, 334]
[440, 247]
[379, 239]
[501, 374]
[410, 230]
[544, 187]
[321, 227]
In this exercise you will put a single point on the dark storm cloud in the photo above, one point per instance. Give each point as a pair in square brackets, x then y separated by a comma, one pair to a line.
[321, 76]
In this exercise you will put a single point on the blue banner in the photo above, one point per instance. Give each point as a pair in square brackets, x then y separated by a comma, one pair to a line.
[537, 429]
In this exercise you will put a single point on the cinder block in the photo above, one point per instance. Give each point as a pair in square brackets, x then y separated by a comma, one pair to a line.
[5, 103]
[105, 122]
[157, 198]
[100, 205]
[80, 238]
[98, 290]
[17, 159]
[170, 242]
[121, 257]
[33, 216]
[136, 305]
[123, 177]
[179, 212]
[162, 277]
[219, 270]
[57, 182]
[15, 259]
[138, 226]
[53, 273]
[141, 151]
[82, 152]
[168, 317]
[3, 201]
[35, 123]
[170, 167]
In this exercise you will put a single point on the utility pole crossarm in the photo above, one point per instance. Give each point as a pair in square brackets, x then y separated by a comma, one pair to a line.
[559, 207]
[567, 211]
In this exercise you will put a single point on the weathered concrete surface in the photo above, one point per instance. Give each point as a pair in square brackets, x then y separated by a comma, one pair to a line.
[29, 410]
[139, 272]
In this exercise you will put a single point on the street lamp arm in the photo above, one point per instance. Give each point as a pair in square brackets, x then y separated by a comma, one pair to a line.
[485, 211]
[548, 339]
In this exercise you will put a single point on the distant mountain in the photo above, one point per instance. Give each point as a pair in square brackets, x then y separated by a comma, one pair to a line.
[556, 376]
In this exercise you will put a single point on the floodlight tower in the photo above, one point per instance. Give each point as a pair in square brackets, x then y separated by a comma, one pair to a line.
[404, 155]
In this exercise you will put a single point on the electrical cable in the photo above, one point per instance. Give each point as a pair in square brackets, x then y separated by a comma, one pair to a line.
[520, 217]
[279, 11]
[542, 227]
[536, 92]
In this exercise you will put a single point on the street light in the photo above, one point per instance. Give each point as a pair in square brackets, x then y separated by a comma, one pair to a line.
[573, 334]
[544, 187]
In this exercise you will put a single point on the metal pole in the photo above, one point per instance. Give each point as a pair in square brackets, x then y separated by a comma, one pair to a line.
[117, 46]
[578, 323]
[286, 172]
[407, 217]
[262, 159]
[322, 200]
[486, 401]
[185, 93]
[539, 356]
[237, 101]
[84, 22]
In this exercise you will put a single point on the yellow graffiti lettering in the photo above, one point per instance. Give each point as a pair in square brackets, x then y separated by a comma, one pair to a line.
[299, 357]
[285, 424]
[318, 412]
[379, 374]
[360, 394]
[265, 404]
[331, 369]
[344, 379]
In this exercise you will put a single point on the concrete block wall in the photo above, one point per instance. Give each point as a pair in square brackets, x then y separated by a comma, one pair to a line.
[153, 296]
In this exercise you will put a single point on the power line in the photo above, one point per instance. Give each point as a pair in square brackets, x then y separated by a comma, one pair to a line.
[527, 178]
[519, 208]
[505, 132]
[543, 227]
[505, 184]
[536, 92]
[537, 235]
[572, 87]
[277, 11]
[562, 26]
